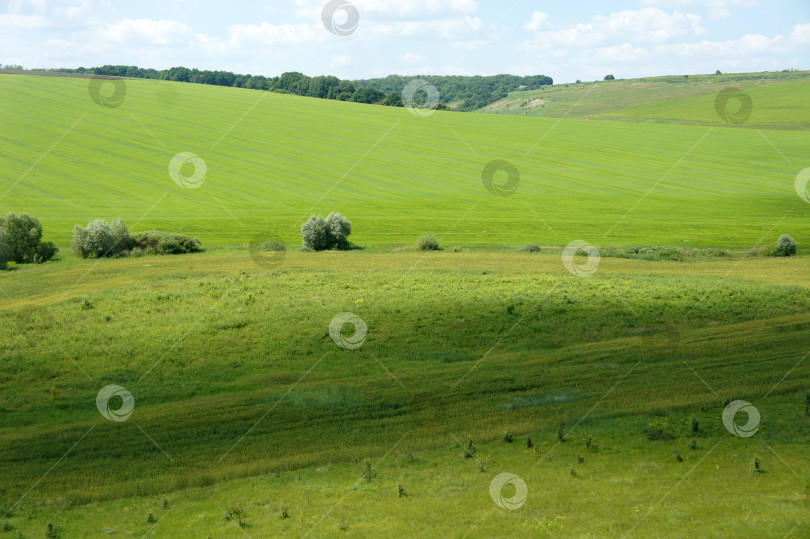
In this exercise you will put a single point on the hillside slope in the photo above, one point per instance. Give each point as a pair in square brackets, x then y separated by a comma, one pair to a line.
[273, 159]
[779, 100]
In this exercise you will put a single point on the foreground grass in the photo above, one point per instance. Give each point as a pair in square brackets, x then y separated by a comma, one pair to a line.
[628, 486]
[243, 399]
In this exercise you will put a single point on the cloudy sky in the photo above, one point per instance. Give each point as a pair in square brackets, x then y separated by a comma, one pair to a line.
[566, 40]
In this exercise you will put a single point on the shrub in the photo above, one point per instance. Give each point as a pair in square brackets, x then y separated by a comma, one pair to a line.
[320, 234]
[340, 229]
[786, 246]
[165, 243]
[102, 239]
[272, 245]
[427, 242]
[45, 251]
[531, 248]
[508, 437]
[21, 234]
[315, 233]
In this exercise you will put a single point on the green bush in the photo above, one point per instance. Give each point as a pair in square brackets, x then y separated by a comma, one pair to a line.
[786, 246]
[427, 242]
[340, 229]
[272, 245]
[101, 239]
[165, 243]
[531, 248]
[320, 234]
[21, 234]
[45, 251]
[315, 233]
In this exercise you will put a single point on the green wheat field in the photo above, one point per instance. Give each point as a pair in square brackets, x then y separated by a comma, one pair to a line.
[603, 393]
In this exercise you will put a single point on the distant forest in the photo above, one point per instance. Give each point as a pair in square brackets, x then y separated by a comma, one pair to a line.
[460, 92]
[456, 92]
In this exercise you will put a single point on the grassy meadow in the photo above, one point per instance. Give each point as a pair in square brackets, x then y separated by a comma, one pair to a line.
[780, 100]
[250, 421]
[273, 159]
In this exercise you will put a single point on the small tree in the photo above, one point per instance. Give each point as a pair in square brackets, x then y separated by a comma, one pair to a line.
[786, 246]
[340, 229]
[320, 234]
[427, 242]
[610, 77]
[22, 236]
[315, 233]
[101, 239]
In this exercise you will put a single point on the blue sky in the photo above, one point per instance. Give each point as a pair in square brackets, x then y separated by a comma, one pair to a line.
[565, 40]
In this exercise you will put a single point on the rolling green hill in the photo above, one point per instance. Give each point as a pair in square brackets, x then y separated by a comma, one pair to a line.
[273, 159]
[780, 100]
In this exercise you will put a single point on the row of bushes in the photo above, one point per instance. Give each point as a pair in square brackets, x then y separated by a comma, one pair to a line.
[21, 241]
[101, 239]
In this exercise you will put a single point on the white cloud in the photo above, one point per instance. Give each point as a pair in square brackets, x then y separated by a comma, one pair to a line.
[748, 46]
[645, 26]
[801, 34]
[472, 44]
[717, 9]
[147, 31]
[411, 58]
[448, 28]
[272, 34]
[621, 53]
[412, 9]
[339, 61]
[12, 20]
[540, 21]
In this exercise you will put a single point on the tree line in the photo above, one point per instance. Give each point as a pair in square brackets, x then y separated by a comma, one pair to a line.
[461, 92]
